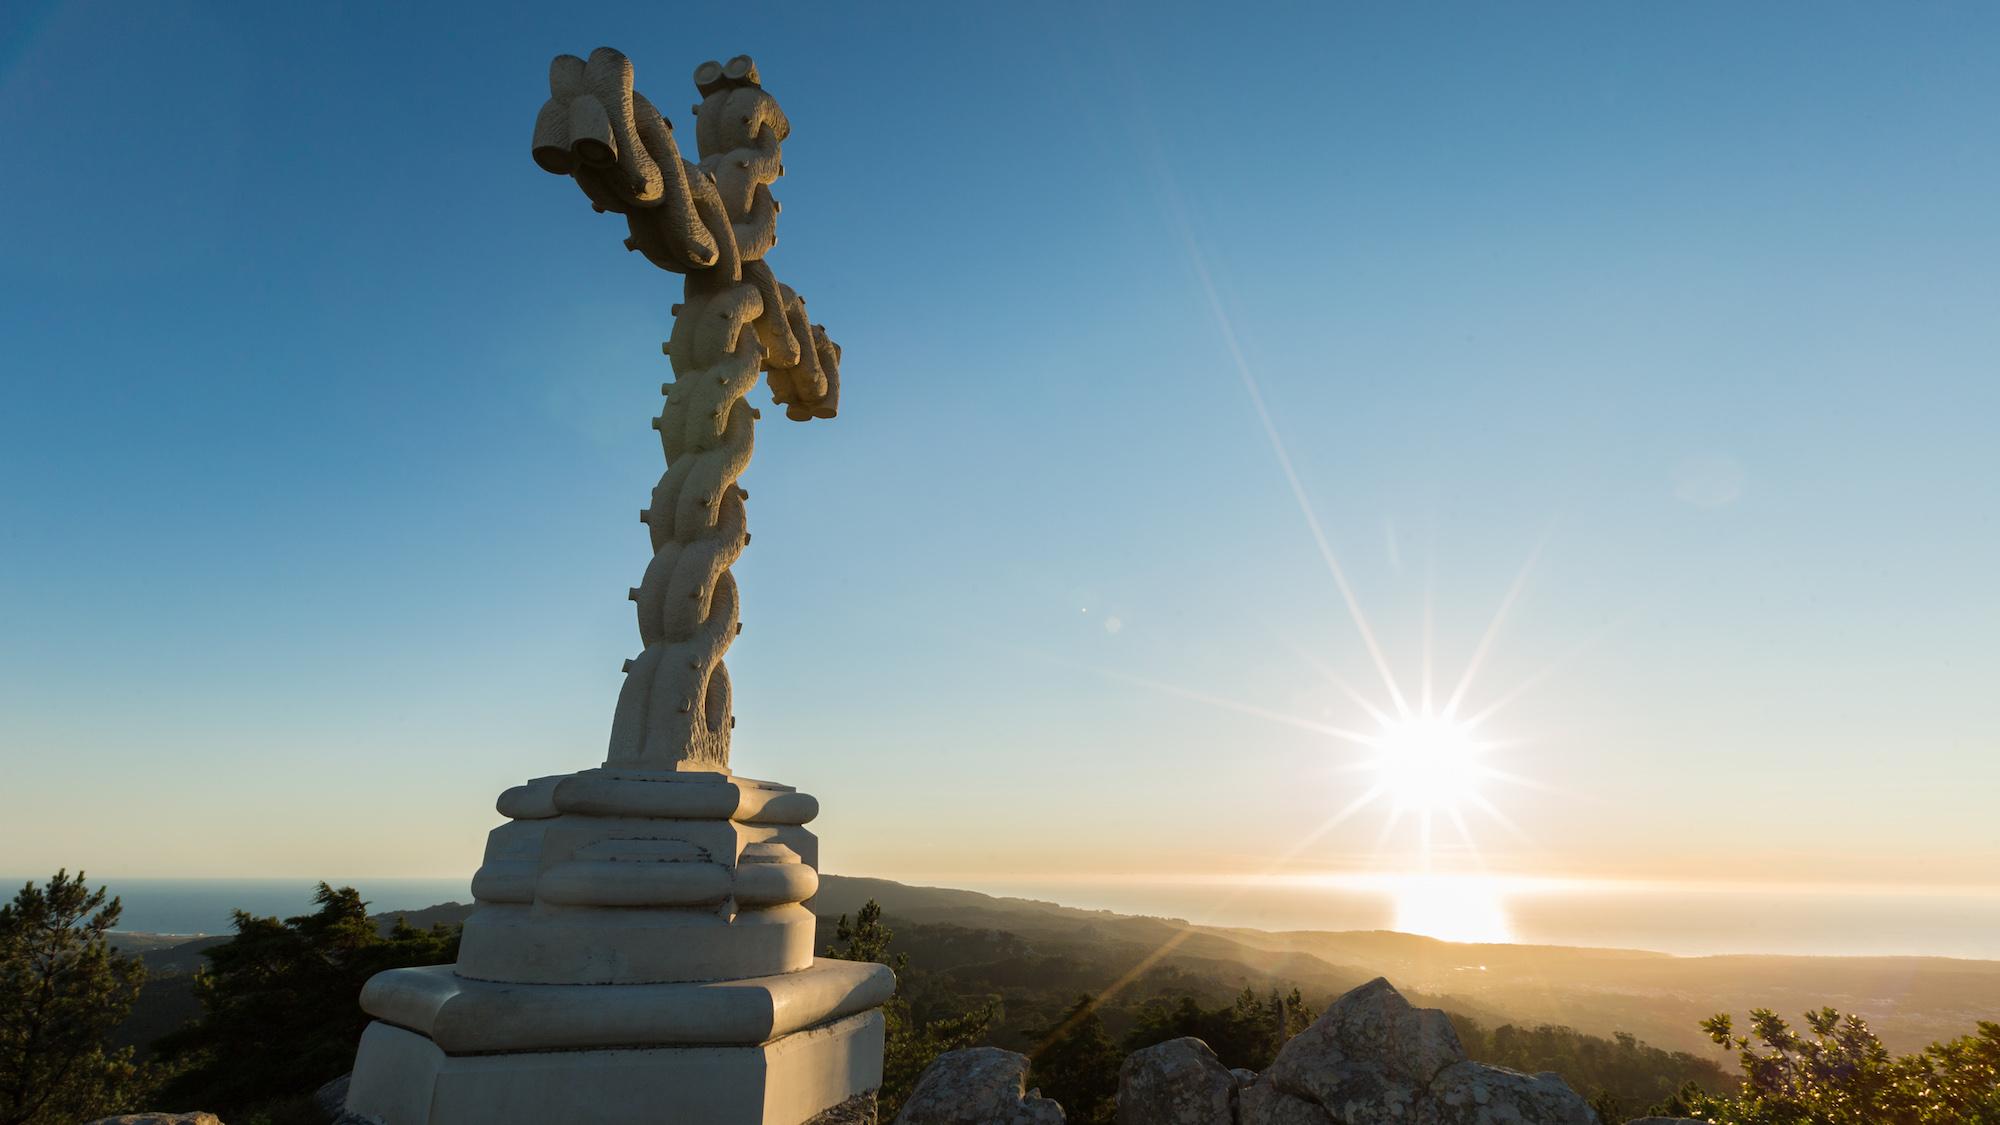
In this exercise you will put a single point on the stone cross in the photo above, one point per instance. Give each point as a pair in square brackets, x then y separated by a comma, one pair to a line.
[640, 948]
[712, 222]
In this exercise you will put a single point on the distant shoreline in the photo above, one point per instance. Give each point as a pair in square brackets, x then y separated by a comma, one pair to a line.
[1691, 924]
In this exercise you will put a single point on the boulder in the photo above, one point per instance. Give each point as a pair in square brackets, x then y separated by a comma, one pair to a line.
[857, 1110]
[1666, 1121]
[331, 1099]
[1372, 1058]
[196, 1118]
[1472, 1093]
[1179, 1082]
[977, 1086]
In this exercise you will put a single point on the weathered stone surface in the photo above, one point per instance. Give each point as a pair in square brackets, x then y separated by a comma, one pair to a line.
[331, 1099]
[1265, 1104]
[978, 1086]
[1243, 1077]
[641, 949]
[1374, 1058]
[1473, 1094]
[1367, 1058]
[1179, 1082]
[196, 1118]
[857, 1110]
[1666, 1121]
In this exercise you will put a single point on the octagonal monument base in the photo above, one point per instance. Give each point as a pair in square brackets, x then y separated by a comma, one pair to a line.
[640, 952]
[790, 1080]
[768, 1051]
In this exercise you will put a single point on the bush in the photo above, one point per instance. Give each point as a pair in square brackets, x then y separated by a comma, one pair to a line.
[1841, 1074]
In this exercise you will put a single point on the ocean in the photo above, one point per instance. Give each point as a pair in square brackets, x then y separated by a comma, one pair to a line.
[205, 906]
[1679, 918]
[1684, 918]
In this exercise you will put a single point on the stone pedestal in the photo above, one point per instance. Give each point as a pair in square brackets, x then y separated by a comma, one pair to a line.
[640, 952]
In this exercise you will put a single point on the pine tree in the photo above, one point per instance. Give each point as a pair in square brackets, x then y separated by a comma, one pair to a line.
[281, 1001]
[1077, 1065]
[909, 1045]
[62, 991]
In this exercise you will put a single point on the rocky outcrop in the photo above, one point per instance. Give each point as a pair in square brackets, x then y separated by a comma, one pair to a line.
[857, 1110]
[1475, 1094]
[1666, 1121]
[1372, 1057]
[196, 1118]
[331, 1099]
[1179, 1082]
[978, 1086]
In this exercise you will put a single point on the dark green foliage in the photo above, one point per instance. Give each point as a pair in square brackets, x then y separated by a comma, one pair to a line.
[280, 1003]
[911, 1038]
[1245, 1033]
[1077, 1065]
[1622, 1076]
[62, 992]
[945, 969]
[1841, 1074]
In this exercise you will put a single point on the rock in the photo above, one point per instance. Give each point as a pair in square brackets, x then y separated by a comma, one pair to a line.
[331, 1099]
[196, 1118]
[1475, 1094]
[1179, 1082]
[1666, 1121]
[1243, 1077]
[1367, 1058]
[857, 1110]
[1372, 1058]
[977, 1086]
[1265, 1104]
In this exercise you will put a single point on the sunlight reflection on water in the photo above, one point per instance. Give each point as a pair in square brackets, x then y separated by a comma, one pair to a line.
[1670, 917]
[1451, 907]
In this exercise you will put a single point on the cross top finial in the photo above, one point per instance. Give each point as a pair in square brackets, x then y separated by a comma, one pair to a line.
[713, 222]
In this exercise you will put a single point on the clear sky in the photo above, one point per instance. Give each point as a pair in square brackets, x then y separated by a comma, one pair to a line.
[325, 412]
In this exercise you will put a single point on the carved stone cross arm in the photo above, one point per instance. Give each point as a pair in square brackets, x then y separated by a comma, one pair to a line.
[712, 221]
[717, 217]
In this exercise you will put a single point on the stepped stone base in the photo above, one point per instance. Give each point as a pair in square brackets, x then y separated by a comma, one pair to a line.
[641, 954]
[405, 1079]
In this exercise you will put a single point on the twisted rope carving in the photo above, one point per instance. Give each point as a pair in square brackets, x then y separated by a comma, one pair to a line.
[714, 222]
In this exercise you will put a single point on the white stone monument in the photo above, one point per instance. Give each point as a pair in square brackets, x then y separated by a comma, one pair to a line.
[641, 950]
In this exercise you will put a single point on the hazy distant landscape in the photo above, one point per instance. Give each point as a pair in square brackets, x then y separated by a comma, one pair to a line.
[1038, 956]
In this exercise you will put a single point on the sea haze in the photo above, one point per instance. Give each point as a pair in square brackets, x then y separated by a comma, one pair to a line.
[1684, 919]
[204, 906]
[1690, 920]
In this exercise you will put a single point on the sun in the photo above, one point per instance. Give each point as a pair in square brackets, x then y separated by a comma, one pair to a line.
[1427, 764]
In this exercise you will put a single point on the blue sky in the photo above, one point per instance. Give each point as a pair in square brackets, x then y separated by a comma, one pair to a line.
[325, 430]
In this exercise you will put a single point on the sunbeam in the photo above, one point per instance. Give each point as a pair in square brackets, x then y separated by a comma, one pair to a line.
[1340, 684]
[1298, 488]
[1487, 638]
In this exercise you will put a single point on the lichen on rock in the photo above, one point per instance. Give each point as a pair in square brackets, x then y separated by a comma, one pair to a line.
[1374, 1058]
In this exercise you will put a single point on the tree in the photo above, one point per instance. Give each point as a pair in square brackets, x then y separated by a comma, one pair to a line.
[1077, 1065]
[1839, 1073]
[62, 991]
[909, 1045]
[1246, 1033]
[1622, 1076]
[281, 1002]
